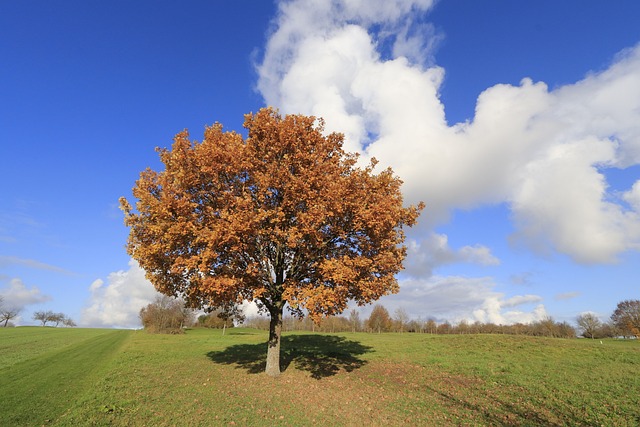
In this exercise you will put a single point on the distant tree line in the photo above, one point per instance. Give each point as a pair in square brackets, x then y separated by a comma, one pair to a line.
[624, 322]
[55, 319]
[381, 321]
[169, 315]
[172, 316]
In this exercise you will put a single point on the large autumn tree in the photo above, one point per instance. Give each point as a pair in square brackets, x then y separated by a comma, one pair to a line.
[284, 217]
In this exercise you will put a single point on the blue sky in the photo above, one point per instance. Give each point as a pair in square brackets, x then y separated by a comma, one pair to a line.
[518, 124]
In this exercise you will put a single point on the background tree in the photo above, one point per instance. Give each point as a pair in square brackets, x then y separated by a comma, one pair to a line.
[222, 317]
[7, 314]
[609, 330]
[463, 327]
[57, 318]
[400, 319]
[444, 328]
[627, 317]
[166, 315]
[589, 324]
[431, 326]
[284, 217]
[354, 320]
[49, 316]
[379, 320]
[210, 320]
[43, 316]
[68, 322]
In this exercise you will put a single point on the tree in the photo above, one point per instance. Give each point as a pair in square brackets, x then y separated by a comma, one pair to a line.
[43, 316]
[462, 327]
[8, 313]
[166, 315]
[627, 317]
[283, 217]
[379, 320]
[222, 317]
[49, 316]
[589, 323]
[57, 318]
[354, 320]
[68, 322]
[400, 319]
[431, 326]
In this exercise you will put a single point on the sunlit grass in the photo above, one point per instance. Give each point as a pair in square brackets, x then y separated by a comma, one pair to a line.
[205, 378]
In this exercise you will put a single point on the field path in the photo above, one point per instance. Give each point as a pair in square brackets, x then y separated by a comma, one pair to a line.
[54, 379]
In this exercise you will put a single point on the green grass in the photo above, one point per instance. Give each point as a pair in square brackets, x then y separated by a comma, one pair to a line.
[68, 377]
[19, 344]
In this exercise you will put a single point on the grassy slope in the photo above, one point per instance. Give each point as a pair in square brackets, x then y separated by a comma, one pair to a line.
[45, 369]
[204, 378]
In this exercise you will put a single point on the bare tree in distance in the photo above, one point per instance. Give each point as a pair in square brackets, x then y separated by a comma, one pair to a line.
[354, 320]
[166, 315]
[400, 319]
[57, 318]
[43, 316]
[7, 314]
[589, 324]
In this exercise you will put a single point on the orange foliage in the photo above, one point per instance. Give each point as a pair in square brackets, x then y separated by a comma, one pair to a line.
[284, 216]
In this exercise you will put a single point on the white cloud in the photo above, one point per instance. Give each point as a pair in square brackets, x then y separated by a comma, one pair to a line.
[542, 152]
[31, 263]
[250, 309]
[18, 296]
[425, 255]
[459, 298]
[633, 196]
[117, 302]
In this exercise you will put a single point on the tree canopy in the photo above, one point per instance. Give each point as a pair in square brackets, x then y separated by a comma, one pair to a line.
[627, 317]
[166, 315]
[283, 217]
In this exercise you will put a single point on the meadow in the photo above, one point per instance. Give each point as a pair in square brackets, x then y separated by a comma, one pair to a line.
[70, 377]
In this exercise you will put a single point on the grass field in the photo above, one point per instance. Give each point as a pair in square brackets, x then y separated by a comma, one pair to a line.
[70, 377]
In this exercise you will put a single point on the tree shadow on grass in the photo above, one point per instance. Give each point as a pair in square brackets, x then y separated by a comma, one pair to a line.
[321, 355]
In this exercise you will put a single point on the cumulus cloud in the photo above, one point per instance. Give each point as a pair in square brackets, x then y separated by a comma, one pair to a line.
[18, 295]
[456, 298]
[117, 302]
[633, 196]
[544, 153]
[425, 255]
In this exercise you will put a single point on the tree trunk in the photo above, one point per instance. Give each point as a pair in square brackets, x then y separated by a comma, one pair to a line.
[273, 345]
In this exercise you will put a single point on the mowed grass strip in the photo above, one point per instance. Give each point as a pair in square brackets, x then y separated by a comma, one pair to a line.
[39, 389]
[28, 342]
